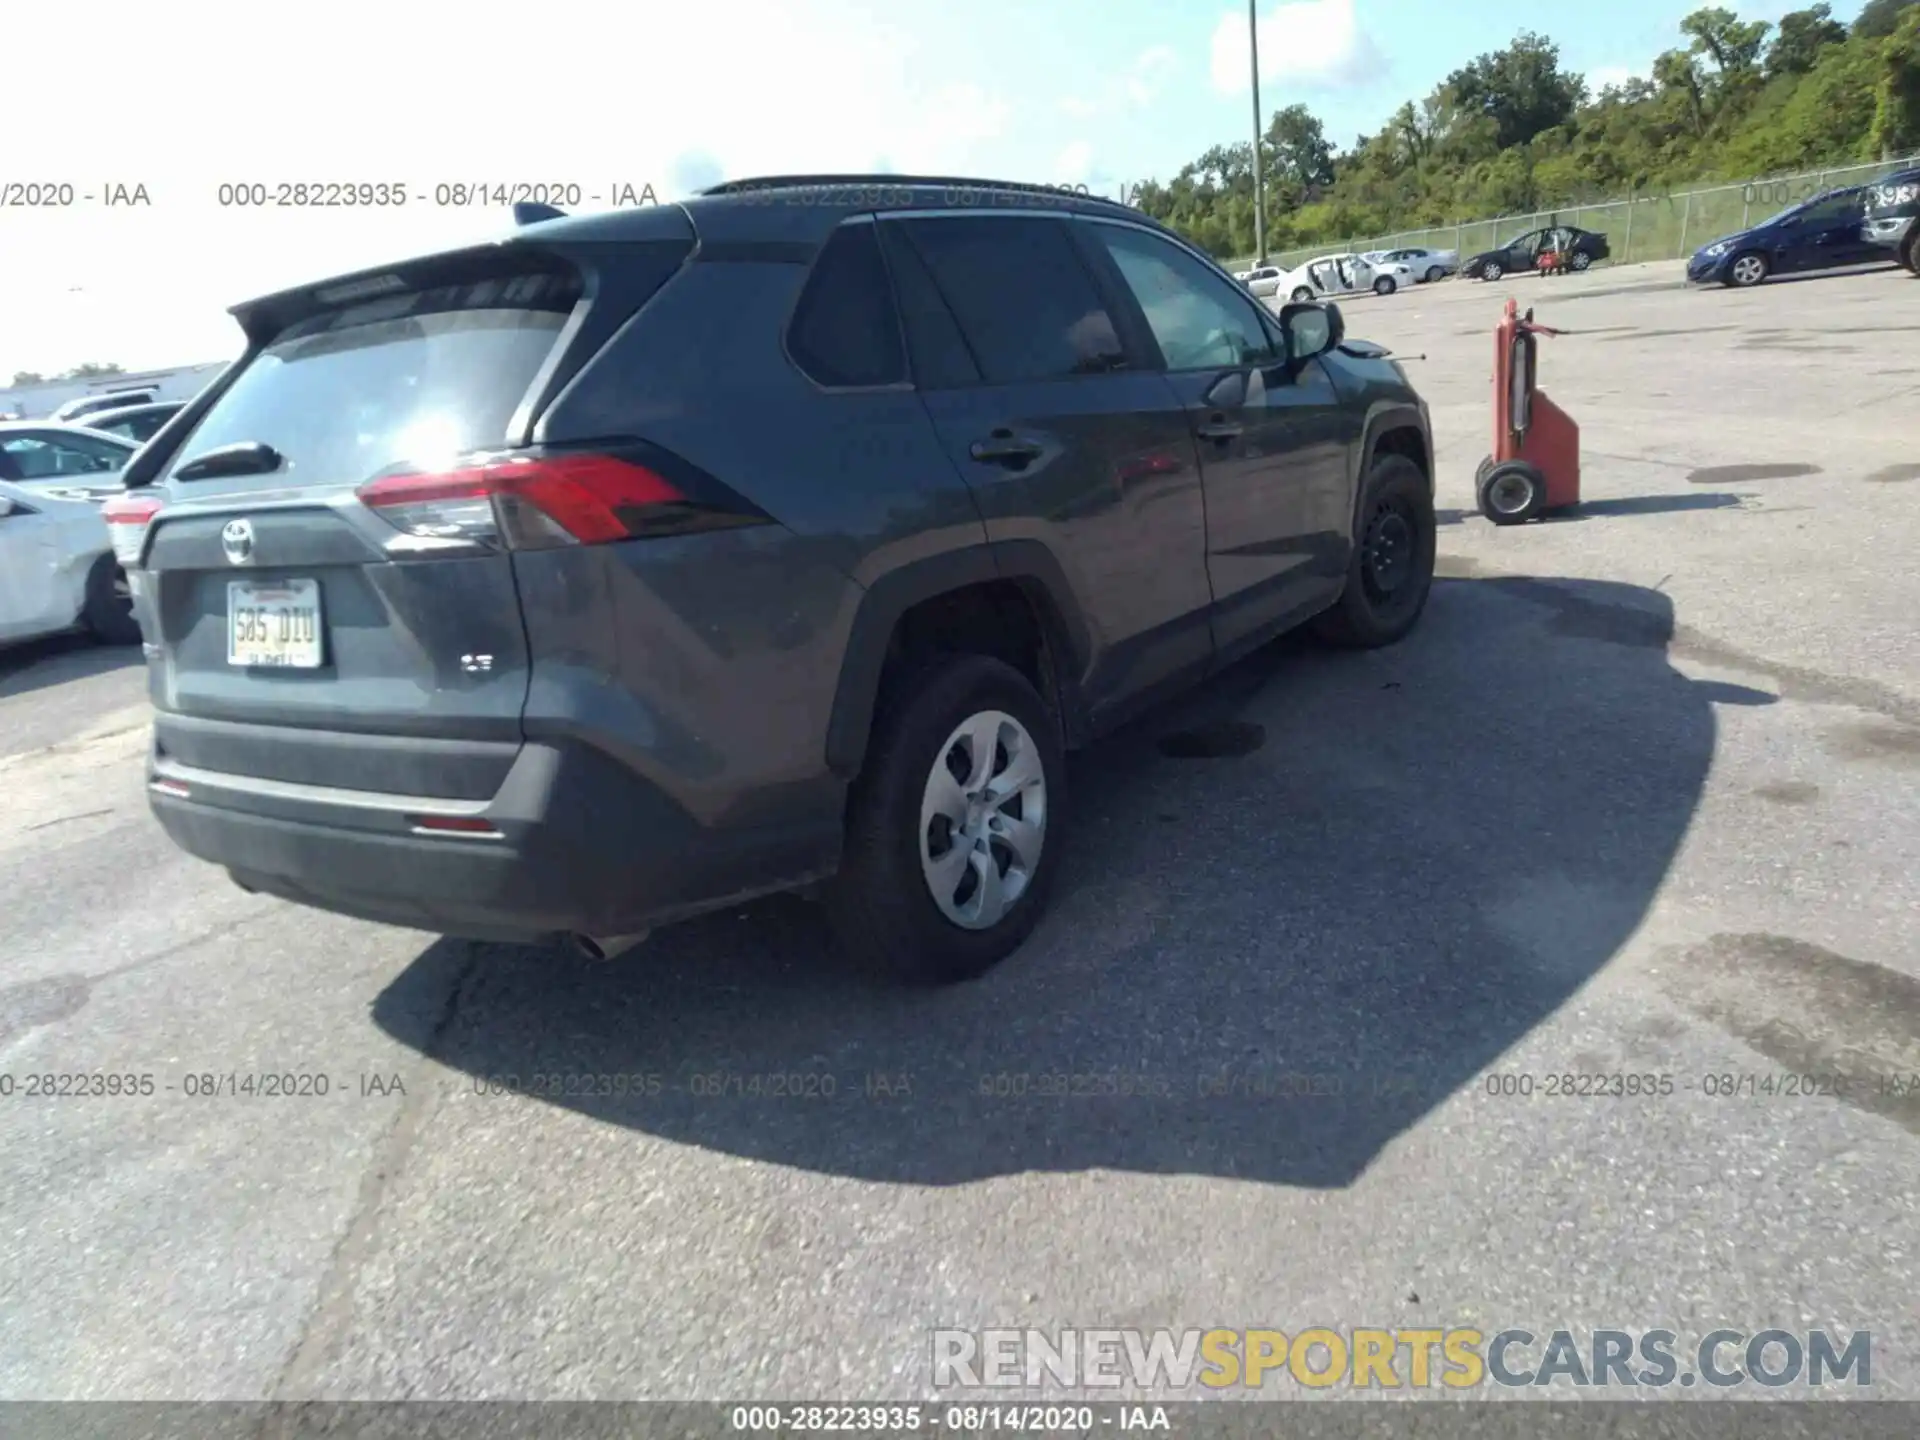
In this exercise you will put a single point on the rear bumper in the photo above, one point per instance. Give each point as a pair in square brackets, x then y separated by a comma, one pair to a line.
[583, 846]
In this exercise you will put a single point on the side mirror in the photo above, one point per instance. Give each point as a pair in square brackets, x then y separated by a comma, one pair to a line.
[1311, 330]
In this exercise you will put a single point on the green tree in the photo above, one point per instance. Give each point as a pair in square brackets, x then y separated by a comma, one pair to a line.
[1880, 18]
[1734, 44]
[1512, 133]
[1299, 153]
[1678, 75]
[92, 371]
[1801, 37]
[1896, 114]
[1521, 89]
[28, 377]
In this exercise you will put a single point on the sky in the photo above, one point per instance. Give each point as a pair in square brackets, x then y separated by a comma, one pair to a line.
[192, 95]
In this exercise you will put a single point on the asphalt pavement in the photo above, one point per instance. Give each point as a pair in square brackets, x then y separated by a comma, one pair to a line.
[1641, 797]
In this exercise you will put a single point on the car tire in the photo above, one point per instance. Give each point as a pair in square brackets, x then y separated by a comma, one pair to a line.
[1391, 571]
[108, 612]
[1580, 261]
[882, 904]
[1747, 269]
[1480, 473]
[1492, 270]
[1301, 296]
[1384, 285]
[1909, 251]
[1435, 275]
[1511, 493]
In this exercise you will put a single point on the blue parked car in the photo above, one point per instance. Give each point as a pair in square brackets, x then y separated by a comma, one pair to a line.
[1822, 233]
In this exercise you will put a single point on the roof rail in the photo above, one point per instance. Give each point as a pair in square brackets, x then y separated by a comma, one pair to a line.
[528, 212]
[950, 182]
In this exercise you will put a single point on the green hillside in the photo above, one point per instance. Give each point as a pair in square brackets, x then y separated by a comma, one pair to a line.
[1514, 131]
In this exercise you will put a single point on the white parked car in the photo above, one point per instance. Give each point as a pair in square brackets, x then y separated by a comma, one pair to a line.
[1427, 265]
[38, 453]
[1344, 275]
[57, 568]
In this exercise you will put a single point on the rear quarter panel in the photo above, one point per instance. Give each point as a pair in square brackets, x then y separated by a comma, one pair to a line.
[729, 646]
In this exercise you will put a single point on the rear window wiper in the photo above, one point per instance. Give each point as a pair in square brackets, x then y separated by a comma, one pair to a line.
[249, 457]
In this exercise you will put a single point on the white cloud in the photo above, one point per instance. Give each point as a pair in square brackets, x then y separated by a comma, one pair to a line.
[821, 87]
[1312, 45]
[1139, 86]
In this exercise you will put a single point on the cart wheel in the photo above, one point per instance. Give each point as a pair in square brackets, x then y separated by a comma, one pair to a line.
[1512, 493]
[1480, 473]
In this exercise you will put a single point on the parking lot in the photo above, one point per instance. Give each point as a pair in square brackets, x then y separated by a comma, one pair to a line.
[1640, 797]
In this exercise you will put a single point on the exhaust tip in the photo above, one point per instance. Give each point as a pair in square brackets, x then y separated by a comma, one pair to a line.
[605, 947]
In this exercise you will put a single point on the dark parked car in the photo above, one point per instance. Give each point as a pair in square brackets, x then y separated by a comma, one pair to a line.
[1583, 248]
[1891, 221]
[138, 423]
[1817, 234]
[783, 538]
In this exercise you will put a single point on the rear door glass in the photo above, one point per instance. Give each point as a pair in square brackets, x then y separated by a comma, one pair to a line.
[412, 379]
[1021, 295]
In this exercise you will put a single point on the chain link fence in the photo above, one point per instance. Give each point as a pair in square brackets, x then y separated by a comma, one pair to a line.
[1647, 227]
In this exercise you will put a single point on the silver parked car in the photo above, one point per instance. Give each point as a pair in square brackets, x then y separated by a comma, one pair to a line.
[1427, 265]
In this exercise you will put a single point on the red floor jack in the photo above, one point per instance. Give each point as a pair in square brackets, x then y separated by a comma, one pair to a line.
[1535, 464]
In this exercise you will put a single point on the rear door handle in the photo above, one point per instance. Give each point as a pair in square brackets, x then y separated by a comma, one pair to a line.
[1219, 427]
[1003, 447]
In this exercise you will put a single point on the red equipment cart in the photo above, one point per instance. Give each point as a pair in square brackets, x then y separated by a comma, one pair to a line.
[1535, 464]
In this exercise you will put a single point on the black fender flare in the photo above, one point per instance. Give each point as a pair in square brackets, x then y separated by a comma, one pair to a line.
[888, 598]
[1384, 417]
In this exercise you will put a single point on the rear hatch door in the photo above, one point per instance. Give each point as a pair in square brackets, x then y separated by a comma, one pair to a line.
[294, 633]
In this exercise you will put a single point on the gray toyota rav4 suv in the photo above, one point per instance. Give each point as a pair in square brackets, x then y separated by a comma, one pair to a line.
[784, 538]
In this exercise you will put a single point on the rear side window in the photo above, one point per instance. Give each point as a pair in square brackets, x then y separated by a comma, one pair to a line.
[412, 379]
[1022, 297]
[845, 329]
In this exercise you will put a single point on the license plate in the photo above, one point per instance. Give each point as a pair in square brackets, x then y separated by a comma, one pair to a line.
[275, 625]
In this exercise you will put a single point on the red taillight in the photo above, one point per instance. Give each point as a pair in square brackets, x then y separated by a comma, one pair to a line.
[127, 518]
[455, 824]
[526, 502]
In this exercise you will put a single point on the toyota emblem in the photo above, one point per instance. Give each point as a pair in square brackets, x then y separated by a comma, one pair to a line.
[237, 540]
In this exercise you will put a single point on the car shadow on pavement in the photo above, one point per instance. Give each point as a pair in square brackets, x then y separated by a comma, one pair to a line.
[38, 664]
[1263, 966]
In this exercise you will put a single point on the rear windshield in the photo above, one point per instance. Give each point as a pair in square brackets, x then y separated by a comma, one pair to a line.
[409, 379]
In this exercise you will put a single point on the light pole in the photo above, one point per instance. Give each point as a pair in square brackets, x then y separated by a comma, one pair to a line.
[1259, 181]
